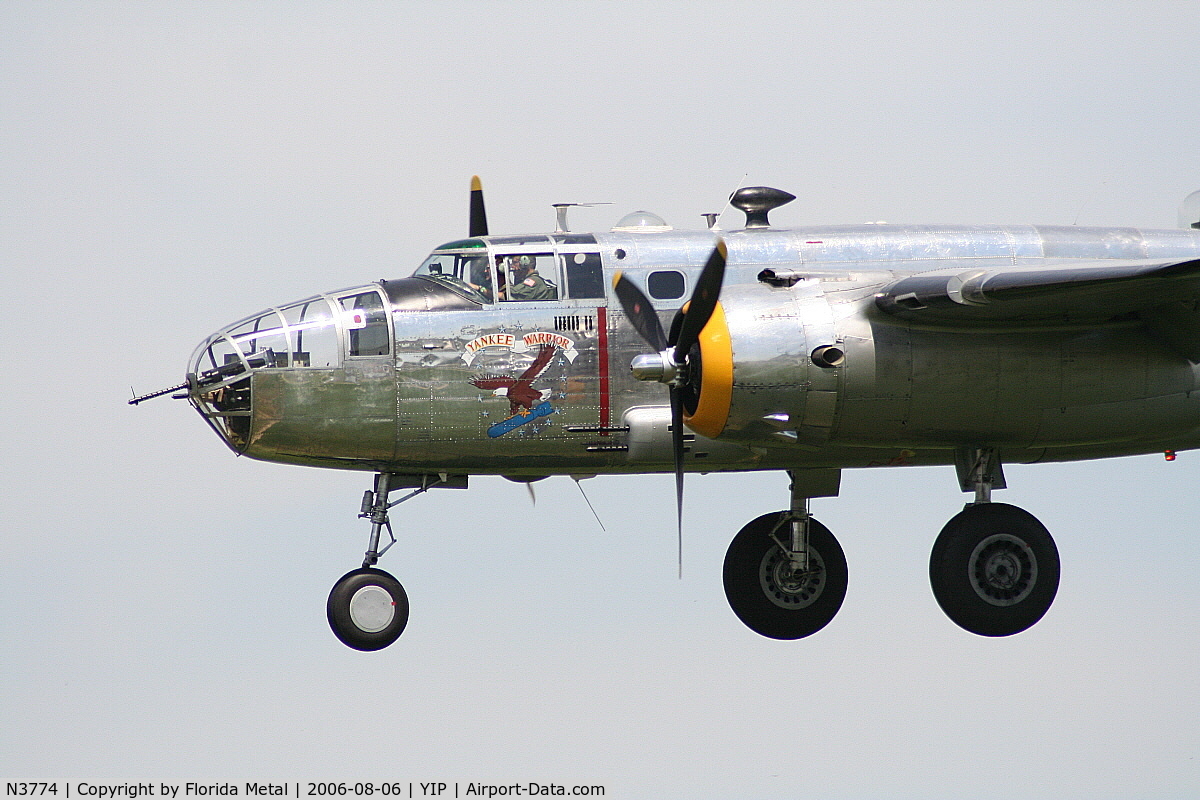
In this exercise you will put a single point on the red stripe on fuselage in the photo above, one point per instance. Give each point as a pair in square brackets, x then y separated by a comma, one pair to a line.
[602, 339]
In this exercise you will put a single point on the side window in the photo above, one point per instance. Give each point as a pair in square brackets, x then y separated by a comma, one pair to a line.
[665, 285]
[313, 334]
[585, 278]
[527, 276]
[366, 324]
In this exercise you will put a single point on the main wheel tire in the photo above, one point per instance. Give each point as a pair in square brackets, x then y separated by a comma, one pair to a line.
[367, 609]
[765, 594]
[994, 569]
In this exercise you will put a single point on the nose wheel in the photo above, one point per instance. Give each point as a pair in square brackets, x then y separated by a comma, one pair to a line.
[367, 609]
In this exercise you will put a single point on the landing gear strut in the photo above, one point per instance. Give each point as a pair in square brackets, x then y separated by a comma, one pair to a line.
[368, 608]
[994, 568]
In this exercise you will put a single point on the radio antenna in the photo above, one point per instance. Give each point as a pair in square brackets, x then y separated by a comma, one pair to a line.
[1087, 202]
[714, 220]
[560, 211]
[589, 503]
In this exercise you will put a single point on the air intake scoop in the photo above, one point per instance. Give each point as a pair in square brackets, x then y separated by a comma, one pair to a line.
[757, 202]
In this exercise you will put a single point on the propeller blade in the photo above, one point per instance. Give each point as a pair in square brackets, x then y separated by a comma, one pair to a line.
[677, 457]
[703, 302]
[685, 333]
[640, 312]
[479, 226]
[676, 324]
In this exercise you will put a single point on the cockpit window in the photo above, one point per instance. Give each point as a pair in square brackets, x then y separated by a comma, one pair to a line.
[461, 267]
[463, 244]
[527, 276]
[366, 323]
[585, 275]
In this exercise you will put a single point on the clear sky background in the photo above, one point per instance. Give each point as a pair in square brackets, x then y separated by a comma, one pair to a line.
[166, 168]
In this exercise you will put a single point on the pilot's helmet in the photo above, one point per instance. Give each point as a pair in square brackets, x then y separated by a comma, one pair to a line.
[525, 262]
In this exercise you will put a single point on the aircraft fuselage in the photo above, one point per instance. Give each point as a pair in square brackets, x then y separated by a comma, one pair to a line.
[903, 393]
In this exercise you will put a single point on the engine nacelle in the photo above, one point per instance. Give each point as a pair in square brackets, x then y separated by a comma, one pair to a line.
[769, 366]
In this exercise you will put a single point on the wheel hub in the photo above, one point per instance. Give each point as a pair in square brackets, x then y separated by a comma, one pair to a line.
[1003, 570]
[787, 587]
[372, 609]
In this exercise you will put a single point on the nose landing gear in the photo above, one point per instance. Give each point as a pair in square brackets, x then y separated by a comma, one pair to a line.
[368, 608]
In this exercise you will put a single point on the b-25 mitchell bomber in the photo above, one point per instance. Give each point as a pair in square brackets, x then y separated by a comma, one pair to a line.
[812, 350]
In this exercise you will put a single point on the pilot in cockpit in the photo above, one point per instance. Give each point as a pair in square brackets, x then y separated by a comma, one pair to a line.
[527, 284]
[480, 277]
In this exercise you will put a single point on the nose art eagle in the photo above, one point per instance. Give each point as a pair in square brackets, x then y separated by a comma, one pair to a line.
[522, 397]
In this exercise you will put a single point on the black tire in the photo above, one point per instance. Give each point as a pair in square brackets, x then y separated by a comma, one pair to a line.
[994, 569]
[367, 609]
[763, 594]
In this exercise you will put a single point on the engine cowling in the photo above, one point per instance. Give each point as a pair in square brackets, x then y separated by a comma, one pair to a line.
[769, 366]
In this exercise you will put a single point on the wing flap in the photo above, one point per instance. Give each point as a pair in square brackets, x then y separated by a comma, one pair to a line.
[1066, 292]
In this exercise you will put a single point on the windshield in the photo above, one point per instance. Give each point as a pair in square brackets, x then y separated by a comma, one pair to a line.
[461, 267]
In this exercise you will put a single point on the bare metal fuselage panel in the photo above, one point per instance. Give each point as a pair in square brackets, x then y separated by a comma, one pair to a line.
[424, 375]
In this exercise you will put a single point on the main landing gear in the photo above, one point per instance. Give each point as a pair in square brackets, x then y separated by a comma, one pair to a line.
[785, 573]
[785, 577]
[368, 608]
[994, 568]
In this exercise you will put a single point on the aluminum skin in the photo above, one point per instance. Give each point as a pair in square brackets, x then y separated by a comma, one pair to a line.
[1096, 365]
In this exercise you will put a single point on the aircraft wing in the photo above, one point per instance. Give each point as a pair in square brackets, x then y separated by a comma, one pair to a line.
[1062, 293]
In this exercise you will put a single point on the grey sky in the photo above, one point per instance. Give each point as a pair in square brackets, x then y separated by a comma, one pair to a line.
[166, 168]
